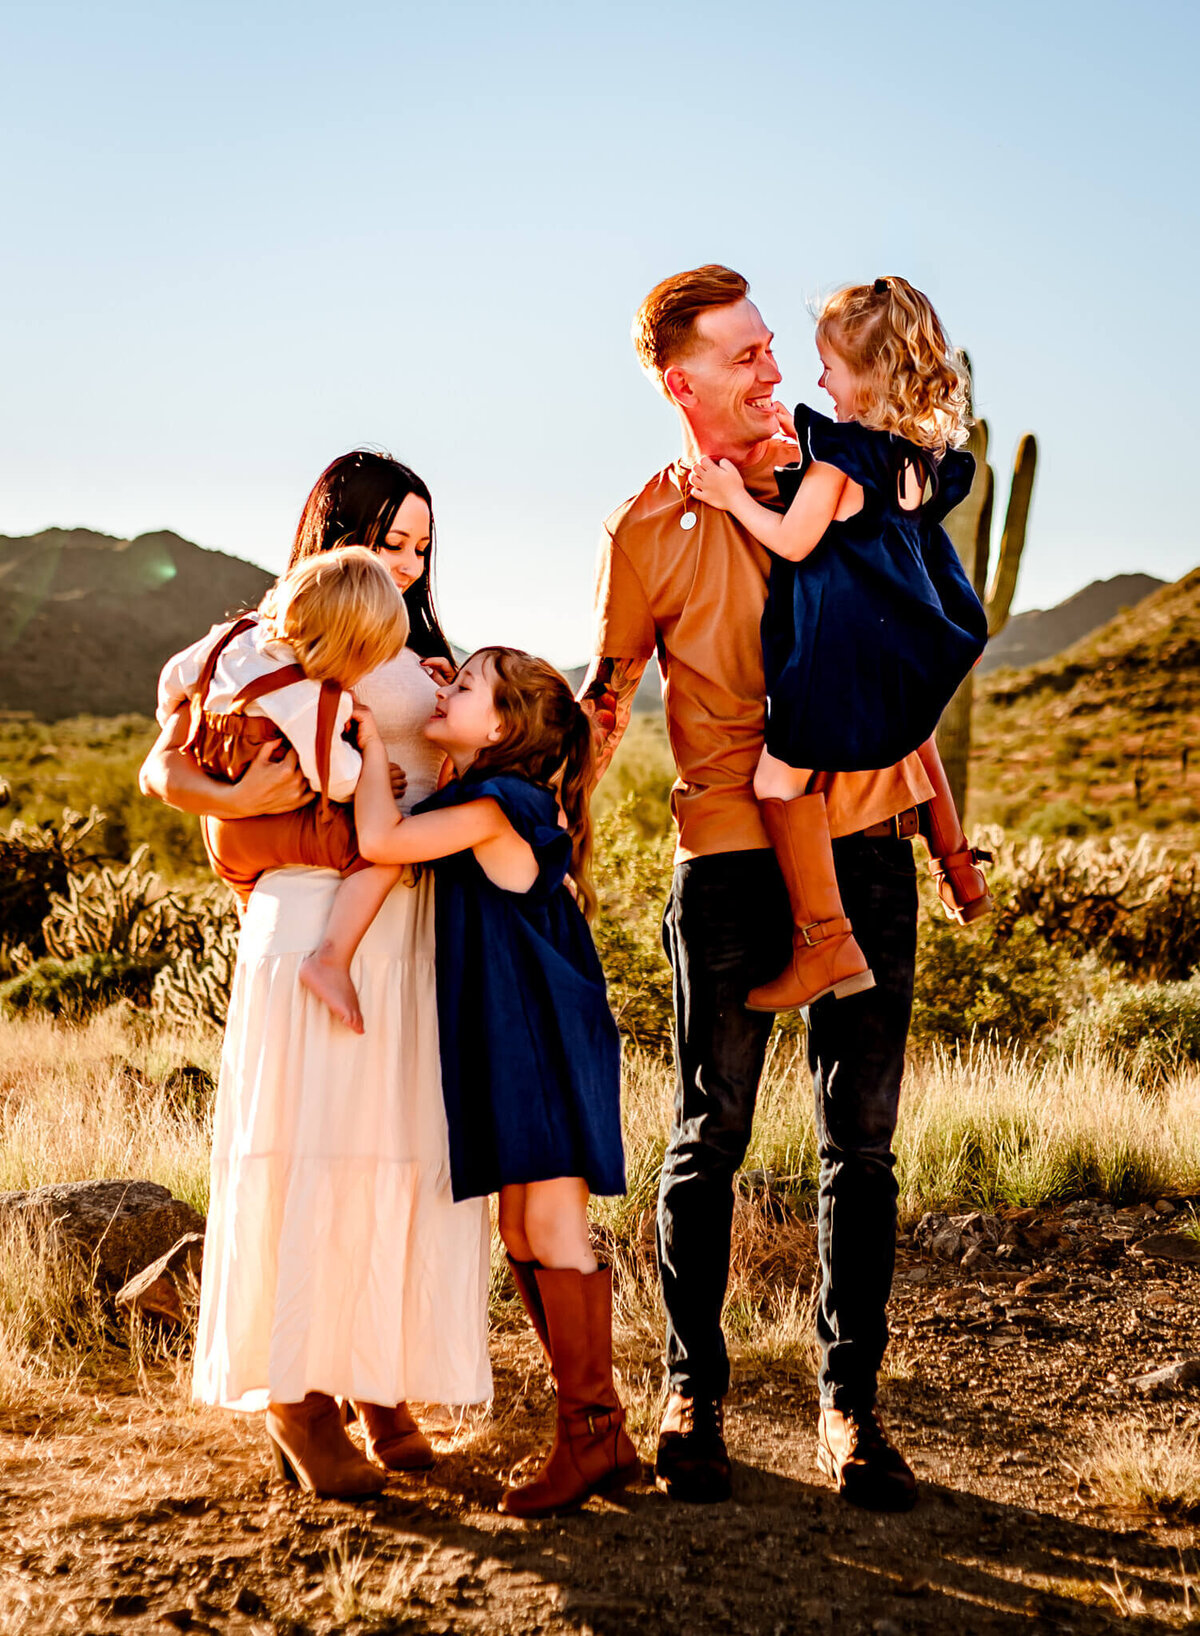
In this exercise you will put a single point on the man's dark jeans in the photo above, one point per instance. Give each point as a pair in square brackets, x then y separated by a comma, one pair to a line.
[727, 927]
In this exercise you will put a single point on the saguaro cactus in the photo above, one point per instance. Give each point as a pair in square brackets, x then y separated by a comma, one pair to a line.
[970, 527]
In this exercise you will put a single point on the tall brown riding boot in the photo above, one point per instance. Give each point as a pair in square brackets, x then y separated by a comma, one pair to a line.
[310, 1447]
[393, 1437]
[525, 1278]
[960, 883]
[825, 957]
[592, 1452]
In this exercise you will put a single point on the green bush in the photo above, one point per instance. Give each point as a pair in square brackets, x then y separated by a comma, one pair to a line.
[1013, 986]
[1150, 1032]
[76, 988]
[633, 878]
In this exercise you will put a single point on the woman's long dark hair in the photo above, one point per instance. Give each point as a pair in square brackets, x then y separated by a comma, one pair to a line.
[354, 502]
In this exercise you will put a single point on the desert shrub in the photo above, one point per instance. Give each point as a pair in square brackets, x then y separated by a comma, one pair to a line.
[633, 878]
[1061, 818]
[1012, 984]
[35, 862]
[78, 987]
[1150, 1032]
[107, 934]
[113, 911]
[1134, 907]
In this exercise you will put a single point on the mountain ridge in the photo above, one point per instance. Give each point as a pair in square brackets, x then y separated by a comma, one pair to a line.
[87, 619]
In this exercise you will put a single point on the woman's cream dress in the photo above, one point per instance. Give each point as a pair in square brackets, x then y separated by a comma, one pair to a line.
[335, 1260]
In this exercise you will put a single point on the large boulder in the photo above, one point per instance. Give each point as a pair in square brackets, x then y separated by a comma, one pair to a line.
[113, 1227]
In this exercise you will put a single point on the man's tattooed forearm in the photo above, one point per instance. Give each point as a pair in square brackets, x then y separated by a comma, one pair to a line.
[607, 696]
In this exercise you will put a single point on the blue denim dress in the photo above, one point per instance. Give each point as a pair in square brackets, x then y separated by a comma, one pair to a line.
[531, 1058]
[866, 640]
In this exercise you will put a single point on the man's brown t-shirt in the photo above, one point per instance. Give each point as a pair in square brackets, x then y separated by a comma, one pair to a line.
[695, 597]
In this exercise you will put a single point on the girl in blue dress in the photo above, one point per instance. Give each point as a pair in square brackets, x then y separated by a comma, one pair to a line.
[871, 622]
[530, 1051]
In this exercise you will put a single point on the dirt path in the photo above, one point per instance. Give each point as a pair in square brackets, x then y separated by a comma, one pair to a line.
[132, 1512]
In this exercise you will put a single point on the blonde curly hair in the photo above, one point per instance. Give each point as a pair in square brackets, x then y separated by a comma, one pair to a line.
[912, 381]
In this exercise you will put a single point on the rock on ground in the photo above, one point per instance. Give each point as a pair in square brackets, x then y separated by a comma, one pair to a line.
[117, 1227]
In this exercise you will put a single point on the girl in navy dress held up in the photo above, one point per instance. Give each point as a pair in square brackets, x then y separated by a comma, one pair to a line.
[870, 623]
[530, 1051]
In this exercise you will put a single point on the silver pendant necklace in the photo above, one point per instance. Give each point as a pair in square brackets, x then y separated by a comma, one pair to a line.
[689, 519]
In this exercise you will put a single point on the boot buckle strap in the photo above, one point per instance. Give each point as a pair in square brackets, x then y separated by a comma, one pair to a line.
[600, 1417]
[824, 929]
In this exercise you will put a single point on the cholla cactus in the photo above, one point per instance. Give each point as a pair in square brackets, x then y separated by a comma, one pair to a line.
[1133, 906]
[194, 988]
[112, 911]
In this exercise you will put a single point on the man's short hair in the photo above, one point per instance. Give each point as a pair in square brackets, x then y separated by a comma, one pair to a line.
[665, 324]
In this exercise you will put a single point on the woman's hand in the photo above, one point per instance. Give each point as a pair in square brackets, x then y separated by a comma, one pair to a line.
[716, 485]
[441, 670]
[169, 774]
[270, 786]
[399, 780]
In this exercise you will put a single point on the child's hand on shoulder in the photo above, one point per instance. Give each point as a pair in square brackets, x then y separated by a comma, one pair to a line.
[716, 484]
[441, 670]
[366, 730]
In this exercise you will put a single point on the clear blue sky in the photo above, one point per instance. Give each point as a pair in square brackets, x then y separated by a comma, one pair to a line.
[239, 239]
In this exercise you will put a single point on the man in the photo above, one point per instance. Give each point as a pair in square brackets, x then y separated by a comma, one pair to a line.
[687, 582]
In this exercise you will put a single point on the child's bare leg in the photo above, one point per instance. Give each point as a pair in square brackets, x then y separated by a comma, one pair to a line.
[512, 1222]
[774, 780]
[326, 971]
[556, 1223]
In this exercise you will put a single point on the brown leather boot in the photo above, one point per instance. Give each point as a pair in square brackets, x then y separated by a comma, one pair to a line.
[960, 883]
[393, 1437]
[525, 1278]
[825, 957]
[592, 1452]
[310, 1447]
[853, 1449]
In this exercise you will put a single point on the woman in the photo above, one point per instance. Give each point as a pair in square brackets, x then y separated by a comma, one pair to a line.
[336, 1263]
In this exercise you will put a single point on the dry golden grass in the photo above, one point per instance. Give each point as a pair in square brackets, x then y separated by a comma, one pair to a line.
[1140, 1467]
[981, 1128]
[80, 1102]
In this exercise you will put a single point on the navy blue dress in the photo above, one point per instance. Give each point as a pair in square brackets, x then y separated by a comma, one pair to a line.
[866, 640]
[531, 1058]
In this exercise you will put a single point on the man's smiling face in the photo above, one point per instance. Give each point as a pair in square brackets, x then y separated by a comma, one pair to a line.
[732, 376]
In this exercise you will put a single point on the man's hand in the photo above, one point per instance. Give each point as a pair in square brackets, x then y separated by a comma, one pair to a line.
[607, 696]
[717, 484]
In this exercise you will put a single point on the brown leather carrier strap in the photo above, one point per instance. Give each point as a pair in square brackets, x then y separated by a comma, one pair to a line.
[270, 683]
[327, 708]
[208, 670]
